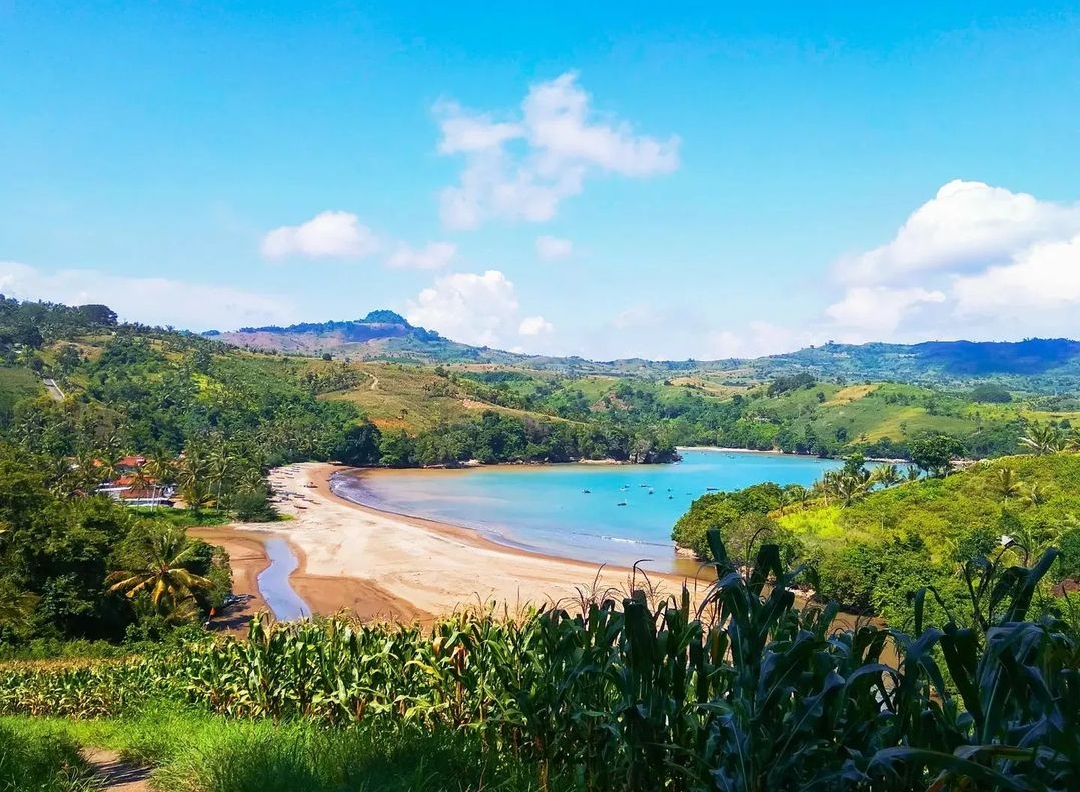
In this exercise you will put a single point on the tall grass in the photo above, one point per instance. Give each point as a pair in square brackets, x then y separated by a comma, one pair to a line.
[52, 764]
[194, 750]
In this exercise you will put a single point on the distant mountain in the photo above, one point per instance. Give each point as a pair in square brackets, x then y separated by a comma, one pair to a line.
[381, 334]
[1043, 365]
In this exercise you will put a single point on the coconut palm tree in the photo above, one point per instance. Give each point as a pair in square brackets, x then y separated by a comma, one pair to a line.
[1043, 439]
[886, 475]
[192, 478]
[141, 480]
[160, 572]
[1036, 495]
[219, 466]
[1006, 483]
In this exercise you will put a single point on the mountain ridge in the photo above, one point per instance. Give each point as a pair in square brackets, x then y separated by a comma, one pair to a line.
[1049, 363]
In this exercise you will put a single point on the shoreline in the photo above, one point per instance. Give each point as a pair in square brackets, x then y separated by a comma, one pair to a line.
[410, 567]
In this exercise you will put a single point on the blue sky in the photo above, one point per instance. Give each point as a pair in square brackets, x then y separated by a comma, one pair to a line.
[598, 179]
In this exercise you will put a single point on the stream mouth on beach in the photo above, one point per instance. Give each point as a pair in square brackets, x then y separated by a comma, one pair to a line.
[599, 514]
[274, 585]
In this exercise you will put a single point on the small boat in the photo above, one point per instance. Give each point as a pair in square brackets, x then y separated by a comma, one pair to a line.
[669, 497]
[710, 489]
[651, 492]
[586, 492]
[621, 503]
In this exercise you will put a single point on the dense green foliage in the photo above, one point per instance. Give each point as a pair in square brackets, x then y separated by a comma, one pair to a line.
[57, 551]
[873, 538]
[792, 413]
[749, 693]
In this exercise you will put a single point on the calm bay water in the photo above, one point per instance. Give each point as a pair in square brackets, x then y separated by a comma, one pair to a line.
[545, 508]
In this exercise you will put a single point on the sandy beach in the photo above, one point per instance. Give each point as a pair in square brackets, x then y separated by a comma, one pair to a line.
[387, 565]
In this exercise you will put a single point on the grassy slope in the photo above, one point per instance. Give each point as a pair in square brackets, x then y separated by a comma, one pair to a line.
[17, 382]
[939, 510]
[396, 396]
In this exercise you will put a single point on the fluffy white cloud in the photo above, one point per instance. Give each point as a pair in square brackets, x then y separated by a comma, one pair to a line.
[521, 169]
[434, 255]
[534, 326]
[467, 307]
[1043, 278]
[879, 309]
[326, 235]
[551, 248]
[967, 226]
[154, 301]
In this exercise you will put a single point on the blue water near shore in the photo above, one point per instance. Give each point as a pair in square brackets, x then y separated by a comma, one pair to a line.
[274, 582]
[545, 508]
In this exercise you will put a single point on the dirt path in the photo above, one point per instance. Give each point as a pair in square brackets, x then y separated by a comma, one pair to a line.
[113, 774]
[53, 389]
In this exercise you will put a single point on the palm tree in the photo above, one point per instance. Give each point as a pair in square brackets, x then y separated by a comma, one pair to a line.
[192, 479]
[886, 475]
[1006, 483]
[1043, 439]
[1036, 495]
[160, 572]
[219, 466]
[912, 473]
[851, 488]
[90, 474]
[162, 470]
[141, 480]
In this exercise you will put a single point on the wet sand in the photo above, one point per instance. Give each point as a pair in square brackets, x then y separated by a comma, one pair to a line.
[322, 595]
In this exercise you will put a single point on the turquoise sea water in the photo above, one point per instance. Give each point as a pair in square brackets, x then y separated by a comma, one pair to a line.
[545, 508]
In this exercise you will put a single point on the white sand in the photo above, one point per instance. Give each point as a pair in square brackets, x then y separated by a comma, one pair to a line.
[434, 567]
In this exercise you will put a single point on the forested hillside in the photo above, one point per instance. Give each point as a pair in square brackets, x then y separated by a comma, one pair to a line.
[874, 536]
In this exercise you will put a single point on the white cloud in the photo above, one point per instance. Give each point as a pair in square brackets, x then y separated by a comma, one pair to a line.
[434, 255]
[521, 169]
[879, 310]
[1045, 277]
[534, 326]
[154, 301]
[551, 248]
[466, 307]
[967, 226]
[332, 234]
[975, 261]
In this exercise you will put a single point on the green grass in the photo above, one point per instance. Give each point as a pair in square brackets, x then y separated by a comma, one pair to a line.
[414, 398]
[31, 760]
[191, 750]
